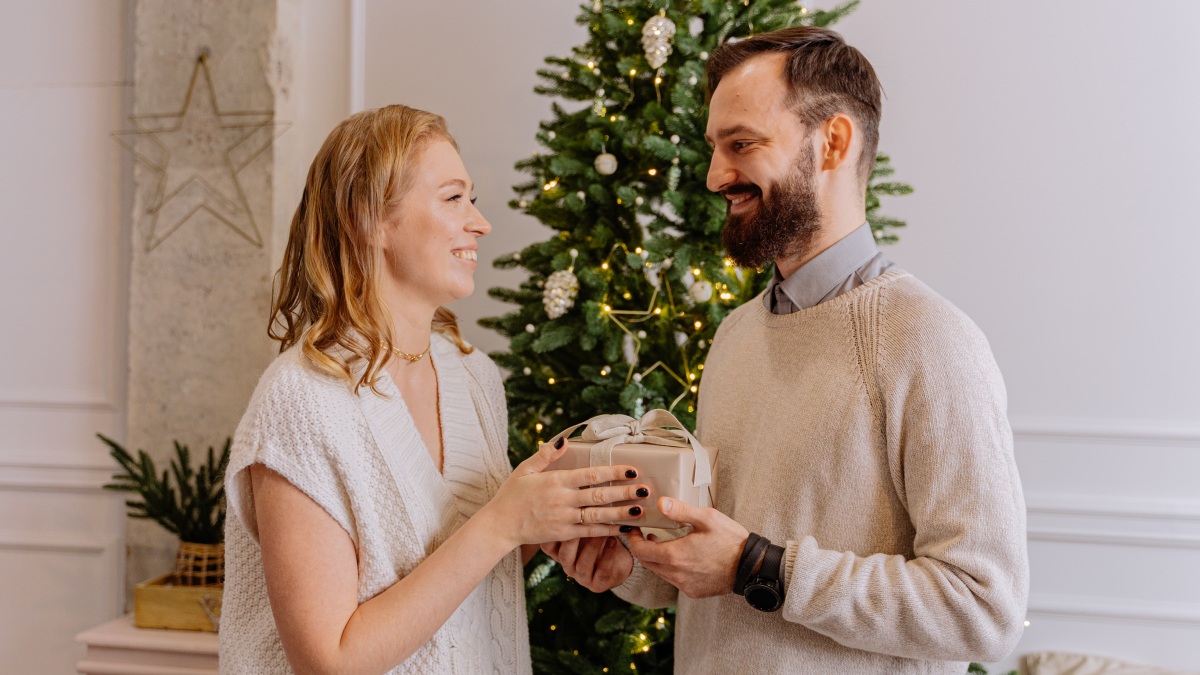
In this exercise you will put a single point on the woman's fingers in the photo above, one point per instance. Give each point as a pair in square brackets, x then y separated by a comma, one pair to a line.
[594, 475]
[542, 458]
[607, 514]
[613, 493]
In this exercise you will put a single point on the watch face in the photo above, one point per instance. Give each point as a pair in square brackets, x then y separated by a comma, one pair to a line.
[763, 597]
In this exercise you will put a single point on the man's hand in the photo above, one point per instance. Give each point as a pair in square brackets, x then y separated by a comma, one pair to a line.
[597, 563]
[701, 564]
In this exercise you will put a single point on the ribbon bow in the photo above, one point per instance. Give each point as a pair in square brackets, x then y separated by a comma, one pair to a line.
[609, 431]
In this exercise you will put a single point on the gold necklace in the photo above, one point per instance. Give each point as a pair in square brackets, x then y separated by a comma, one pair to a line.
[412, 358]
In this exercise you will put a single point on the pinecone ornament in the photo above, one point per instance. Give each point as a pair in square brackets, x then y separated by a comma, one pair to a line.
[559, 294]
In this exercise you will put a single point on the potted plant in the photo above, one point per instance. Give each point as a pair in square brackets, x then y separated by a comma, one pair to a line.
[189, 503]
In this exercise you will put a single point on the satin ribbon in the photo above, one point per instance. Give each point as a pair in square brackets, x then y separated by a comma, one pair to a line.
[609, 431]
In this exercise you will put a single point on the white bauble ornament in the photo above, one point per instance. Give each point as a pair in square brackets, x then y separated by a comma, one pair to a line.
[527, 370]
[657, 34]
[529, 328]
[675, 138]
[701, 291]
[606, 164]
[559, 294]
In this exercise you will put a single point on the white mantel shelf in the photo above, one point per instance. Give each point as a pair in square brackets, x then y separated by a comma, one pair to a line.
[119, 647]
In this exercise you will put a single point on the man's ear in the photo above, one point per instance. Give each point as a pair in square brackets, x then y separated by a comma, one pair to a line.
[837, 136]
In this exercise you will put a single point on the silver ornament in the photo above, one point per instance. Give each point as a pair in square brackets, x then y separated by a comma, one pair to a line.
[701, 291]
[559, 294]
[629, 350]
[656, 40]
[673, 177]
[606, 164]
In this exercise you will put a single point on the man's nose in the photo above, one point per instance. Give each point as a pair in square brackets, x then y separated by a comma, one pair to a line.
[720, 173]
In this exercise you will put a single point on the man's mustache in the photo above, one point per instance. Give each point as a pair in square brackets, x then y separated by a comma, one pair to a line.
[741, 188]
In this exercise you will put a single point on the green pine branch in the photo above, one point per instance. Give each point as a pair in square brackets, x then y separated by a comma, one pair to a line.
[187, 502]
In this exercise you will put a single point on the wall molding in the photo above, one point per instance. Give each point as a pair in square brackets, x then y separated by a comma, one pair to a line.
[358, 55]
[1078, 536]
[54, 478]
[1138, 432]
[55, 543]
[1113, 610]
[57, 405]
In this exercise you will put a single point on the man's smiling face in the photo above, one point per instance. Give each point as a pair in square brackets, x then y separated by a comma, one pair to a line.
[763, 164]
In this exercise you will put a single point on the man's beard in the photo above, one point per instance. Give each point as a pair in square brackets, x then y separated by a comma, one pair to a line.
[782, 226]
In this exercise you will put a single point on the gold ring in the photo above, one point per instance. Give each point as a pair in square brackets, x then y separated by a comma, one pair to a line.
[581, 516]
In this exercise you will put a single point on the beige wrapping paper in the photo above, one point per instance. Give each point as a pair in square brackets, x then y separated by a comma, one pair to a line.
[668, 460]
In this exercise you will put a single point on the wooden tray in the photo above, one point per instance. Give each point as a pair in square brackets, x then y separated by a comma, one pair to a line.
[159, 603]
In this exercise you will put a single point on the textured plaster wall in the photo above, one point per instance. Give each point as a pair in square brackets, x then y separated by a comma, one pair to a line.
[199, 298]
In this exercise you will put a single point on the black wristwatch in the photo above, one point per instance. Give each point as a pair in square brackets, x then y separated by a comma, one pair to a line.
[764, 591]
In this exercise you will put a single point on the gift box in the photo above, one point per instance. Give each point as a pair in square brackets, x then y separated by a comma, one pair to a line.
[667, 457]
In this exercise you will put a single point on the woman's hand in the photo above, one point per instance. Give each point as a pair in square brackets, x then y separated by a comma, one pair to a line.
[598, 564]
[535, 506]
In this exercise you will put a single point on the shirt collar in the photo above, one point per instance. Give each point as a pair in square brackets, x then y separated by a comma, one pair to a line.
[807, 286]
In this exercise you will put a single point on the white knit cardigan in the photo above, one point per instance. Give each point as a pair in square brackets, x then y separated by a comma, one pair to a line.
[362, 459]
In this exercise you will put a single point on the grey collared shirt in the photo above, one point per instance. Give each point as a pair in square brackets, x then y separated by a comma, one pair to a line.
[848, 264]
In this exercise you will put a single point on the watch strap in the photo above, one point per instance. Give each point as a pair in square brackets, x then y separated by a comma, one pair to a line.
[751, 552]
[772, 563]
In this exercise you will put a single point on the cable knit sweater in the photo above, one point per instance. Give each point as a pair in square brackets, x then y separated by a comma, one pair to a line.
[362, 459]
[869, 435]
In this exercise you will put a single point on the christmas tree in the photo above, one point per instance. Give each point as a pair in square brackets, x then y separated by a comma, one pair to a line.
[622, 301]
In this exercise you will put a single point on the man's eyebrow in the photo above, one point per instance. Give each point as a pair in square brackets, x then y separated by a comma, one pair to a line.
[734, 130]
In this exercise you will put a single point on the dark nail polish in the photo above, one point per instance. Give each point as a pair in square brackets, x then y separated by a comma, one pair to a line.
[635, 510]
[643, 492]
[559, 443]
[626, 529]
[630, 473]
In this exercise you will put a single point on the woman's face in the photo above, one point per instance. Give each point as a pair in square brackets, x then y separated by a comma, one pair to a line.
[430, 238]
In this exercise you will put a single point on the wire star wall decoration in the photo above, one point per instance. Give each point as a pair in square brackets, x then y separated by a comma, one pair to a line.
[198, 154]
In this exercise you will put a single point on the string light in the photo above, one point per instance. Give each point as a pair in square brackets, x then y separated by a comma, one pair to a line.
[657, 79]
[632, 72]
[553, 627]
[626, 295]
[658, 310]
[691, 376]
[698, 324]
[729, 262]
[696, 271]
[551, 185]
[695, 389]
[538, 427]
[638, 250]
[551, 381]
[700, 367]
[653, 172]
[629, 21]
[591, 64]
[604, 265]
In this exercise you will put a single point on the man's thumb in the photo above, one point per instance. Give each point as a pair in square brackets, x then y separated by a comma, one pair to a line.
[680, 511]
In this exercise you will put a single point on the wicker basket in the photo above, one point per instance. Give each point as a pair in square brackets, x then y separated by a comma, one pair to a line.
[200, 564]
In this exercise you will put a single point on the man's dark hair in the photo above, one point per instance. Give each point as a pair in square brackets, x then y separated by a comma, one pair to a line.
[823, 74]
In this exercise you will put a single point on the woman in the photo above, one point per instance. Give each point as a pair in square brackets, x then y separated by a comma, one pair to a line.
[376, 527]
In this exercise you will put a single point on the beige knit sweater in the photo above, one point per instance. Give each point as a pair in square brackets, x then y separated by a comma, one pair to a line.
[361, 458]
[869, 434]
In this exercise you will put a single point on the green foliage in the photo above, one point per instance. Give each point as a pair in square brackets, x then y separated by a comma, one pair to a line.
[187, 502]
[654, 284]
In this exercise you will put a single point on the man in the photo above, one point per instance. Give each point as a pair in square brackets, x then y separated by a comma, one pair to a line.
[860, 417]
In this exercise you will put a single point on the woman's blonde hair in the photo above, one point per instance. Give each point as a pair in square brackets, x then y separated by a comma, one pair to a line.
[328, 288]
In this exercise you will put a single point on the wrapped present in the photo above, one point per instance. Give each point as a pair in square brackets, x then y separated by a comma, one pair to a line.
[667, 457]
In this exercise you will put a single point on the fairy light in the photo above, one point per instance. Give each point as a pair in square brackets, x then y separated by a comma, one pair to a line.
[696, 271]
[632, 72]
[604, 371]
[729, 262]
[657, 79]
[604, 265]
[551, 185]
[727, 296]
[653, 172]
[626, 295]
[695, 389]
[553, 627]
[612, 118]
[638, 250]
[608, 308]
[591, 64]
[658, 310]
[629, 21]
[691, 376]
[697, 325]
[700, 367]
[551, 381]
[538, 427]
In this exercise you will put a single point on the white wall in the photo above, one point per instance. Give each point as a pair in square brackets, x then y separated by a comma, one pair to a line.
[63, 190]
